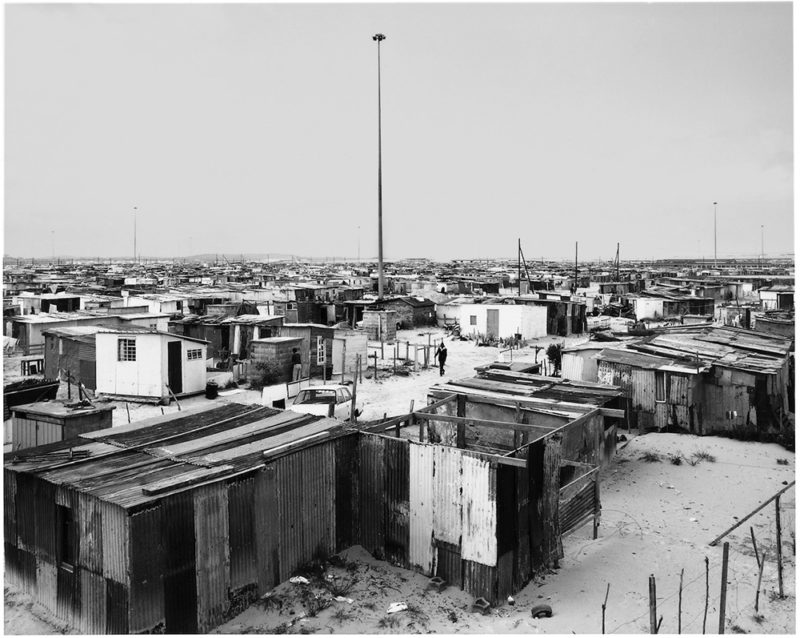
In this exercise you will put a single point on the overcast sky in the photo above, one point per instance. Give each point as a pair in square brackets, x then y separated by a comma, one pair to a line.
[253, 128]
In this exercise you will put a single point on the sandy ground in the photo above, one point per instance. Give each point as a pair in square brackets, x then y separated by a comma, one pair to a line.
[658, 519]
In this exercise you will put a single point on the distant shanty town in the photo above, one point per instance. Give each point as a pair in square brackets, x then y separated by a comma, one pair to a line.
[182, 436]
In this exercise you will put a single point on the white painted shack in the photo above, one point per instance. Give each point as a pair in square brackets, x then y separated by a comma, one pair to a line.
[142, 364]
[502, 321]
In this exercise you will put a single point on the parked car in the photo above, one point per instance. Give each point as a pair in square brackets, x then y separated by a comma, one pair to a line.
[318, 400]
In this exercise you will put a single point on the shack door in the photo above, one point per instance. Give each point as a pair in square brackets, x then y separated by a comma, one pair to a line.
[174, 367]
[337, 352]
[492, 323]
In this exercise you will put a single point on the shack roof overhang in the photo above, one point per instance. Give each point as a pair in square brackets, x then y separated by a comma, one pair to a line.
[132, 466]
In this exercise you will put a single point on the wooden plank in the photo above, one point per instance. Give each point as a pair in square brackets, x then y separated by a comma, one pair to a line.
[505, 425]
[184, 480]
[616, 414]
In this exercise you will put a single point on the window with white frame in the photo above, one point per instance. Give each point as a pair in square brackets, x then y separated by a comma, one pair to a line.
[194, 353]
[126, 350]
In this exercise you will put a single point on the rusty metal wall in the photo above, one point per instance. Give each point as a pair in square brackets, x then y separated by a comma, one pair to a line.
[179, 564]
[478, 511]
[421, 549]
[644, 390]
[241, 512]
[90, 532]
[10, 507]
[68, 596]
[480, 580]
[396, 504]
[347, 491]
[92, 617]
[114, 535]
[448, 563]
[266, 529]
[307, 507]
[371, 496]
[212, 556]
[552, 548]
[147, 564]
[46, 584]
[447, 494]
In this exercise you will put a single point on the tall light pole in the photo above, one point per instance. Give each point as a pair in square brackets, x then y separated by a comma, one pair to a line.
[53, 243]
[359, 244]
[378, 37]
[715, 235]
[134, 234]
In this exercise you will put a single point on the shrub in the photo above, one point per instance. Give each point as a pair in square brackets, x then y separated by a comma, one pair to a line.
[266, 373]
[651, 457]
[704, 455]
[676, 459]
[554, 354]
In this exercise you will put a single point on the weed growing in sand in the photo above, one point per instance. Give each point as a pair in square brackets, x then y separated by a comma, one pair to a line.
[342, 615]
[783, 461]
[452, 616]
[415, 613]
[676, 459]
[389, 622]
[703, 455]
[651, 457]
[340, 586]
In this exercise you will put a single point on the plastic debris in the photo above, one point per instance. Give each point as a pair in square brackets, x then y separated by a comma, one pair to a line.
[510, 600]
[299, 580]
[693, 520]
[395, 607]
[342, 599]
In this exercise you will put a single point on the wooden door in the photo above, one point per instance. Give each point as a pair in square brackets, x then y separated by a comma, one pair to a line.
[492, 323]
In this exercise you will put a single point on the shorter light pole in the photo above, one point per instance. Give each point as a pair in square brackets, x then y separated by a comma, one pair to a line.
[53, 243]
[134, 234]
[715, 235]
[763, 256]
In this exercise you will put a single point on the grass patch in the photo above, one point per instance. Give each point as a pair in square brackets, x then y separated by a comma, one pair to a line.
[651, 457]
[704, 455]
[389, 622]
[342, 615]
[676, 459]
[340, 586]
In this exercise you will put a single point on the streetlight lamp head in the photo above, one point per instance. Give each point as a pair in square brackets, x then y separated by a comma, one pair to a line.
[378, 37]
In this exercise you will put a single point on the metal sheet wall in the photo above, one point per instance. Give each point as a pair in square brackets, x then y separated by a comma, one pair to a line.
[307, 506]
[44, 519]
[90, 532]
[266, 529]
[25, 512]
[552, 548]
[421, 550]
[371, 497]
[212, 554]
[644, 390]
[179, 569]
[396, 494]
[30, 433]
[147, 565]
[10, 507]
[92, 618]
[447, 494]
[114, 536]
[68, 596]
[46, 584]
[479, 511]
[347, 491]
[240, 530]
[480, 580]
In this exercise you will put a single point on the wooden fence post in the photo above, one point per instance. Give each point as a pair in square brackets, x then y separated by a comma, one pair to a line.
[353, 415]
[705, 609]
[680, 601]
[723, 588]
[760, 573]
[603, 626]
[652, 588]
[779, 556]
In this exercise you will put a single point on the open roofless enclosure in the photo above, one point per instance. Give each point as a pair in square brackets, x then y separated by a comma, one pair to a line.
[178, 523]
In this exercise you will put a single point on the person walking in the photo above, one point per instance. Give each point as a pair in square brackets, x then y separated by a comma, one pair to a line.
[441, 354]
[297, 365]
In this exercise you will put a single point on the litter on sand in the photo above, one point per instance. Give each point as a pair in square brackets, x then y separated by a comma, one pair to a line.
[299, 580]
[342, 599]
[395, 607]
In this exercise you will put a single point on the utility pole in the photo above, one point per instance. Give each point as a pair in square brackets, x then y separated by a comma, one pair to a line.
[378, 37]
[715, 235]
[134, 234]
[576, 267]
[617, 261]
[763, 256]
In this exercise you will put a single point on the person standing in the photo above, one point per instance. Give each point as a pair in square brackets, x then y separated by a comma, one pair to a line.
[441, 354]
[297, 365]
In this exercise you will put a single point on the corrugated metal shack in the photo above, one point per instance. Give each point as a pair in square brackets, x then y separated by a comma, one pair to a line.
[502, 466]
[705, 380]
[177, 523]
[172, 526]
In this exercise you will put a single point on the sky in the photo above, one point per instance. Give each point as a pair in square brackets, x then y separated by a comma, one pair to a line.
[253, 128]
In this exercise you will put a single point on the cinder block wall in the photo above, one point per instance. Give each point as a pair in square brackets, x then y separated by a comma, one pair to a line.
[380, 324]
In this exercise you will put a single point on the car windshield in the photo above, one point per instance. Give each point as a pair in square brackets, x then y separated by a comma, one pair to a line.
[316, 396]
